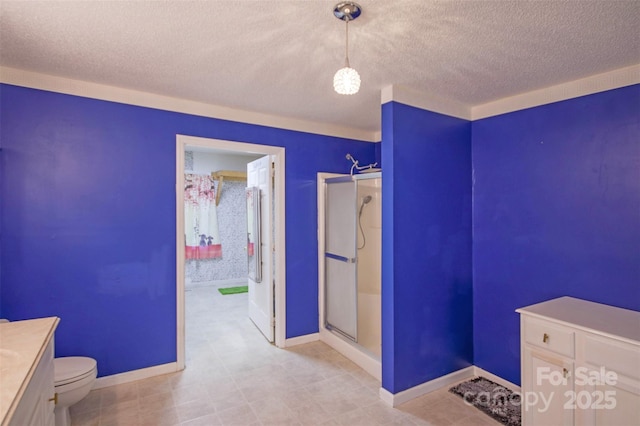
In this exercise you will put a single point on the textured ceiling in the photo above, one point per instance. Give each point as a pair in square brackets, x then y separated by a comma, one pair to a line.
[279, 57]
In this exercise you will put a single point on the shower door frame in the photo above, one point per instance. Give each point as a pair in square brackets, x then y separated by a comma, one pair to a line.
[351, 259]
[347, 348]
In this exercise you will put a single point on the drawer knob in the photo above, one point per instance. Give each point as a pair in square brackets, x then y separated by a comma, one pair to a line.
[545, 338]
[54, 399]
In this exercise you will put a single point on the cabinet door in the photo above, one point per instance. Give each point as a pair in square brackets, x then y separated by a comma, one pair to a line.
[608, 404]
[607, 382]
[546, 384]
[36, 406]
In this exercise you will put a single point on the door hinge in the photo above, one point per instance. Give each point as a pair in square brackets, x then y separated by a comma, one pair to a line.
[273, 322]
[273, 175]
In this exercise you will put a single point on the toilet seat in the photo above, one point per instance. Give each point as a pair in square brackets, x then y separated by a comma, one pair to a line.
[73, 369]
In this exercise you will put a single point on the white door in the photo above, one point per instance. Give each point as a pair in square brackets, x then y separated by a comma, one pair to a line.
[261, 312]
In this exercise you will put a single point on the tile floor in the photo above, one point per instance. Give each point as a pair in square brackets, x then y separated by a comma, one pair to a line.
[234, 377]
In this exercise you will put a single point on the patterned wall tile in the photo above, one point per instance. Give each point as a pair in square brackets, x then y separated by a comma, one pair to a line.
[188, 160]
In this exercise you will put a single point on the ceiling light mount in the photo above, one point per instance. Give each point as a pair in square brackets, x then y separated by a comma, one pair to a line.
[347, 80]
[347, 11]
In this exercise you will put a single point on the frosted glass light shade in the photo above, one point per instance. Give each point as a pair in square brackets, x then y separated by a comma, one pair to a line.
[346, 81]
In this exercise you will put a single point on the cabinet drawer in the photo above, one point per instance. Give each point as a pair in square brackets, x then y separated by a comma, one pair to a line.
[546, 335]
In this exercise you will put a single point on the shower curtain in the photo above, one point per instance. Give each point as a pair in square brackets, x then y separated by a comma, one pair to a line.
[202, 239]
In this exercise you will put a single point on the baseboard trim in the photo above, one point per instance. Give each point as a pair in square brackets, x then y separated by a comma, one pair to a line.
[387, 397]
[395, 399]
[477, 371]
[301, 340]
[132, 376]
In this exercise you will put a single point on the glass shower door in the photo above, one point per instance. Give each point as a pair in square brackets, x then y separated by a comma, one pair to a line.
[341, 293]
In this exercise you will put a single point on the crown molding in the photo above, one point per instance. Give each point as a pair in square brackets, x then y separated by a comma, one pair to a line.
[103, 92]
[573, 89]
[407, 96]
[586, 86]
[610, 80]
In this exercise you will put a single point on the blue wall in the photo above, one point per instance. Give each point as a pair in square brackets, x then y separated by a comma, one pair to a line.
[88, 210]
[426, 266]
[556, 212]
[88, 220]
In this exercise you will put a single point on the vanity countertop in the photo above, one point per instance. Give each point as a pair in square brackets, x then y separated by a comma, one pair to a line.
[608, 321]
[22, 344]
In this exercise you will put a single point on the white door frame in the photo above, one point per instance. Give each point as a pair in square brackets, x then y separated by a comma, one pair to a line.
[279, 220]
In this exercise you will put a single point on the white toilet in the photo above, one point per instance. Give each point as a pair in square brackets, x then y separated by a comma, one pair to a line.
[74, 378]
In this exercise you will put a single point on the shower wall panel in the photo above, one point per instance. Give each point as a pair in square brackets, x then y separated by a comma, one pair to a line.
[369, 257]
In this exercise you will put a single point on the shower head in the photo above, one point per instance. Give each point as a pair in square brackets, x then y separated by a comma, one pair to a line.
[365, 200]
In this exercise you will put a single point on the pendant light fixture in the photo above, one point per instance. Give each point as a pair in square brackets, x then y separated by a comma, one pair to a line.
[347, 80]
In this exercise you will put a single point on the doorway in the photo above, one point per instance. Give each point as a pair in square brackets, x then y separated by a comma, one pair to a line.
[183, 143]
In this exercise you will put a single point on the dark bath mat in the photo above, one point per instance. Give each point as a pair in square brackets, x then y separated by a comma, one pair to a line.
[495, 400]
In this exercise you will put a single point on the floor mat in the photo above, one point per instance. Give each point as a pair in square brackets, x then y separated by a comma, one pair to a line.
[234, 290]
[495, 400]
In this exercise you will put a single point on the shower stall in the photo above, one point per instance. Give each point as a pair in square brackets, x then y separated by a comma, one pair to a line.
[350, 244]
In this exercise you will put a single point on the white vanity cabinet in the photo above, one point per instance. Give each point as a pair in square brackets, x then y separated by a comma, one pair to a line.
[27, 392]
[580, 364]
[38, 401]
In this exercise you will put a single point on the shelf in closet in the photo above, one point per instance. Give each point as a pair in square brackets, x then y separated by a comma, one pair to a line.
[230, 175]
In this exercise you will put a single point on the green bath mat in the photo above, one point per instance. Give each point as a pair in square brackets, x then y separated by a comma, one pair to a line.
[234, 290]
